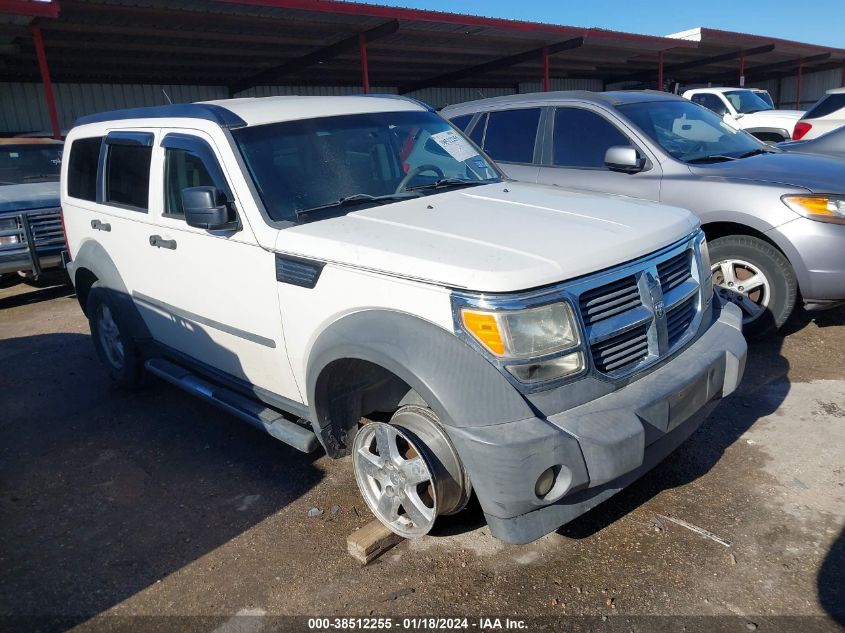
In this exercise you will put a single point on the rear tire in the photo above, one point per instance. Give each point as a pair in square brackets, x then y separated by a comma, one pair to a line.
[757, 277]
[115, 347]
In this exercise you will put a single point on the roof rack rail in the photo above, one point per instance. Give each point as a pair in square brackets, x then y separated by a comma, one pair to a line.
[207, 111]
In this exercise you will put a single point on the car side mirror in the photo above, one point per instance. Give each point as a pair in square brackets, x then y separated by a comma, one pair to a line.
[207, 208]
[624, 158]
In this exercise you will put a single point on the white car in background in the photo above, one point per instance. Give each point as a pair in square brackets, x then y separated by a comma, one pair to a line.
[744, 109]
[827, 114]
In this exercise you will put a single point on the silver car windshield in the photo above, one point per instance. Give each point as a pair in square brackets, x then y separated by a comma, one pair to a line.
[338, 164]
[689, 132]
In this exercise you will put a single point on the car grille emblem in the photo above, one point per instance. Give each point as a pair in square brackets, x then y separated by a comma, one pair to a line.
[656, 293]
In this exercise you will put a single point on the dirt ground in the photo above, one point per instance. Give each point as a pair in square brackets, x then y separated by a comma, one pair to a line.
[117, 505]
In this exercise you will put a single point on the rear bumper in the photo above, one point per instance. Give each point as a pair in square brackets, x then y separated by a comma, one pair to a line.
[818, 257]
[602, 446]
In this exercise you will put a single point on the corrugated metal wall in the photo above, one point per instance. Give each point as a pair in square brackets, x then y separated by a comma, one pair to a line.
[813, 86]
[23, 108]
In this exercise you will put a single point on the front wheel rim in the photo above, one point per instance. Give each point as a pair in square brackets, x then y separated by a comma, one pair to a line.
[394, 479]
[745, 285]
[109, 335]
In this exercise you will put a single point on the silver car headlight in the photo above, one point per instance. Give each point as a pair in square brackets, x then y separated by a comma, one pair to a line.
[529, 336]
[821, 207]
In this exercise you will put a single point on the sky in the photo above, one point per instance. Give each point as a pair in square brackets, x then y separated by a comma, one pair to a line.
[816, 22]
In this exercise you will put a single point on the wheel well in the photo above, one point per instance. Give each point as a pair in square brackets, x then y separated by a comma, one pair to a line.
[716, 230]
[83, 281]
[349, 389]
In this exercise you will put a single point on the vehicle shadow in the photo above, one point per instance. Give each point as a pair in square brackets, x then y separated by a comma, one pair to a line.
[763, 389]
[27, 296]
[831, 581]
[103, 492]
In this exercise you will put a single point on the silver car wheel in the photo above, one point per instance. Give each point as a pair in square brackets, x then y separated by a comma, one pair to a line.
[394, 479]
[743, 284]
[109, 335]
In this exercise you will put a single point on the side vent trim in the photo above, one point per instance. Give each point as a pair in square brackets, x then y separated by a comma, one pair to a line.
[298, 271]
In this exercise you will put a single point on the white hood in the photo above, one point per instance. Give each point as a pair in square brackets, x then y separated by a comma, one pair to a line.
[772, 118]
[494, 238]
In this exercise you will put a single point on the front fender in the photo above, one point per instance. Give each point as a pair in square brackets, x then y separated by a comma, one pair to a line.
[456, 381]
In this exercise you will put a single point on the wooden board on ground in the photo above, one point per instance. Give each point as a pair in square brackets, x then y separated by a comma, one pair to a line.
[371, 541]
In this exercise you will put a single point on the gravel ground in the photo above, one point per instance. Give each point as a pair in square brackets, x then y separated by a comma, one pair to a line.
[115, 505]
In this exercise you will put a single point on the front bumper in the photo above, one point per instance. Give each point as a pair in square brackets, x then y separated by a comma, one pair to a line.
[601, 446]
[817, 253]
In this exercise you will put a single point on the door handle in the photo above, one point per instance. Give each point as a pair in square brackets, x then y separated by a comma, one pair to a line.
[159, 242]
[100, 226]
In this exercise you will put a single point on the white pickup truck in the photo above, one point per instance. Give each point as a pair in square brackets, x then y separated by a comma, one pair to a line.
[353, 273]
[744, 109]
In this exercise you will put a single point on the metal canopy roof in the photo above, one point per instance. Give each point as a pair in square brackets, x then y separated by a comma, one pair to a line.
[242, 43]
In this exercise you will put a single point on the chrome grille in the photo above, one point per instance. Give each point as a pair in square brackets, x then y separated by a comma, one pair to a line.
[46, 228]
[622, 351]
[678, 320]
[639, 313]
[675, 271]
[614, 298]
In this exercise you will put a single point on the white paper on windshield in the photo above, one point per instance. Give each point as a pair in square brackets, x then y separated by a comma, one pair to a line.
[457, 146]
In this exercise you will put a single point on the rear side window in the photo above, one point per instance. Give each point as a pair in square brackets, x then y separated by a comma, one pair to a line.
[82, 168]
[128, 169]
[462, 121]
[582, 137]
[828, 105]
[511, 135]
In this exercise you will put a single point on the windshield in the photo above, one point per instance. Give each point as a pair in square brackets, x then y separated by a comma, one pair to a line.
[345, 162]
[746, 102]
[25, 163]
[765, 96]
[689, 132]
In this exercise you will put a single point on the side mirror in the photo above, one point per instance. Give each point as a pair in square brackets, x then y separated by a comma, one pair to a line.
[738, 115]
[207, 208]
[623, 158]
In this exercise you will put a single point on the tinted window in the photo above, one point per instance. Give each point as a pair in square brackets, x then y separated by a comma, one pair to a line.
[182, 169]
[82, 169]
[828, 105]
[128, 175]
[462, 121]
[581, 138]
[511, 134]
[711, 102]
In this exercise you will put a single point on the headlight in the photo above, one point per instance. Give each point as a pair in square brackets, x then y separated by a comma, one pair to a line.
[525, 333]
[9, 224]
[824, 208]
[521, 336]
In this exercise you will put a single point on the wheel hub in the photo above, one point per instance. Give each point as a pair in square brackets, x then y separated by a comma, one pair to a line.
[743, 284]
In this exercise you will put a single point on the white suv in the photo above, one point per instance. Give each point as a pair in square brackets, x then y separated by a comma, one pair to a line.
[352, 272]
[744, 109]
[826, 115]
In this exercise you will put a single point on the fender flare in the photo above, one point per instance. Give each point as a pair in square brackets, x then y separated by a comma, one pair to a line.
[92, 256]
[456, 381]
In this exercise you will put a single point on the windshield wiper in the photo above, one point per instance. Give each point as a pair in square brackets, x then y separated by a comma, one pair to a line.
[41, 177]
[755, 152]
[358, 198]
[450, 182]
[711, 158]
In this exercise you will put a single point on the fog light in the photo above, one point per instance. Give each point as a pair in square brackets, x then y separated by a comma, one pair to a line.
[545, 482]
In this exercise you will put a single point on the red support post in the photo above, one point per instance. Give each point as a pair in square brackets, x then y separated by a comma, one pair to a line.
[843, 76]
[365, 69]
[45, 80]
[660, 70]
[742, 69]
[547, 83]
[798, 87]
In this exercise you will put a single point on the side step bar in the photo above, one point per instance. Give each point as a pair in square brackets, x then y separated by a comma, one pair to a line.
[266, 419]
